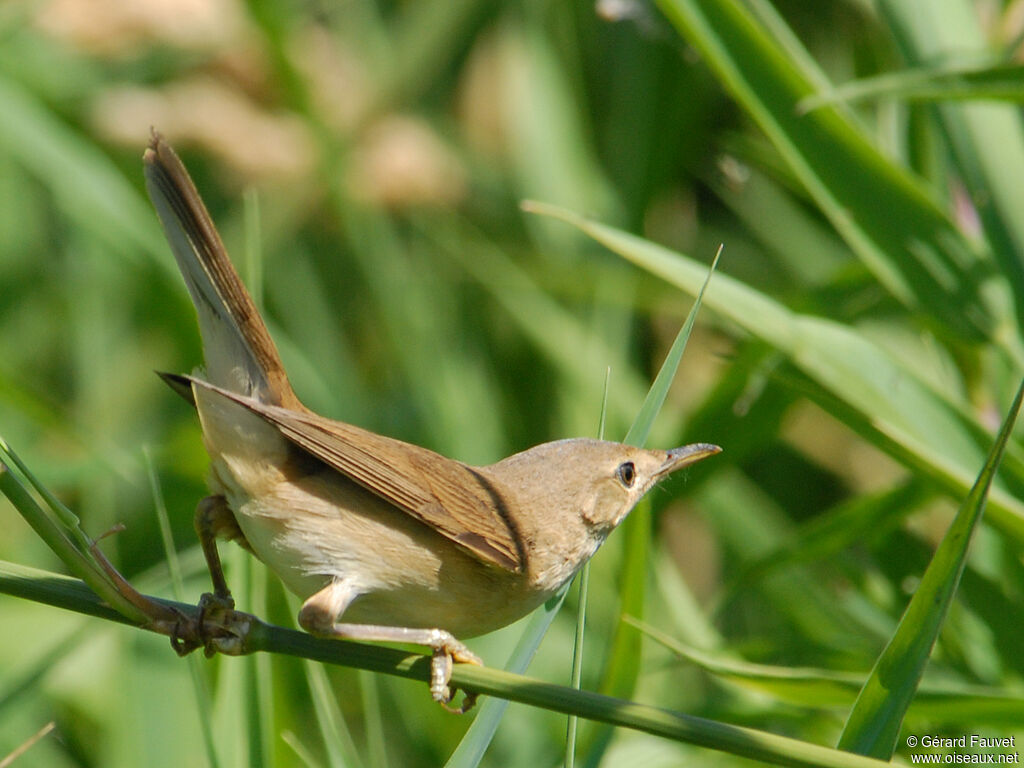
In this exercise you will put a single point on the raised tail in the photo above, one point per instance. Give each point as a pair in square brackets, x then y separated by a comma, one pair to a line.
[240, 355]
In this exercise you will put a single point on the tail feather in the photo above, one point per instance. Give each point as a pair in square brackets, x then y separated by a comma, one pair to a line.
[240, 355]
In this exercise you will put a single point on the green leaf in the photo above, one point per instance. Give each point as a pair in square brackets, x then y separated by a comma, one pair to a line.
[651, 407]
[985, 139]
[478, 737]
[200, 688]
[623, 670]
[874, 722]
[936, 82]
[874, 393]
[825, 688]
[583, 578]
[73, 595]
[884, 214]
[59, 528]
[861, 519]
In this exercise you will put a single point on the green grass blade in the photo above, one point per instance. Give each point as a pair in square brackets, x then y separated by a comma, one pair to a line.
[884, 215]
[204, 704]
[337, 740]
[478, 737]
[72, 594]
[68, 519]
[252, 220]
[935, 82]
[166, 535]
[815, 688]
[623, 669]
[339, 746]
[651, 407]
[877, 395]
[575, 679]
[373, 713]
[59, 528]
[301, 752]
[256, 718]
[874, 722]
[985, 139]
[803, 686]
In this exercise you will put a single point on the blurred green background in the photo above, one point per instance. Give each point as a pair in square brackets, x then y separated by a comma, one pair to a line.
[365, 163]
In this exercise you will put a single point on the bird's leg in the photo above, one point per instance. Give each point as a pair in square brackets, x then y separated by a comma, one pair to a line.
[219, 626]
[319, 616]
[215, 520]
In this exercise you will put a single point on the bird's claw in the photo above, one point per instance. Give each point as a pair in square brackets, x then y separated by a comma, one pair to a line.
[446, 654]
[216, 628]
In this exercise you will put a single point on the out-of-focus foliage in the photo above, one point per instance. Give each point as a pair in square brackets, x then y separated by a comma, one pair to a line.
[365, 163]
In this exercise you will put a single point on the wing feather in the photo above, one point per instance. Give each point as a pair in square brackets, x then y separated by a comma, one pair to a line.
[445, 494]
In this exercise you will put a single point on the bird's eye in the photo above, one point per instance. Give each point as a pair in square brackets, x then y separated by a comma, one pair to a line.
[626, 474]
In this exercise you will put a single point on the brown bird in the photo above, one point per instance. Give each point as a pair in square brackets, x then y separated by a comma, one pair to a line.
[383, 540]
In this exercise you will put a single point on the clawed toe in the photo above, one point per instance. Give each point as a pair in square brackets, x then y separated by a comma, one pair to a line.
[185, 634]
[441, 666]
[216, 628]
[319, 616]
[211, 604]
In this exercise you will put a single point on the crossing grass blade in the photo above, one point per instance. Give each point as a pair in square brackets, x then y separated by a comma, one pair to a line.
[738, 740]
[872, 392]
[641, 428]
[874, 722]
[936, 82]
[201, 691]
[883, 214]
[623, 669]
[985, 138]
[583, 579]
[60, 529]
[815, 688]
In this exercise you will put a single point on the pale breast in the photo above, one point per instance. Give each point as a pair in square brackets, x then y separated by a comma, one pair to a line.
[320, 527]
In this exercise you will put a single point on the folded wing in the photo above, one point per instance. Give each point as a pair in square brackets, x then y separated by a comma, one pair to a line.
[450, 497]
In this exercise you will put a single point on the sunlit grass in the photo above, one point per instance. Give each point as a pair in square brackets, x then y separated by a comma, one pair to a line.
[857, 349]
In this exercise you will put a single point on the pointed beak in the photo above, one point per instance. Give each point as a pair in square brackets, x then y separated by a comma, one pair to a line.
[685, 456]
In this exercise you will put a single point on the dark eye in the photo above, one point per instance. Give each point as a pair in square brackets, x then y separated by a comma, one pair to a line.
[626, 474]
